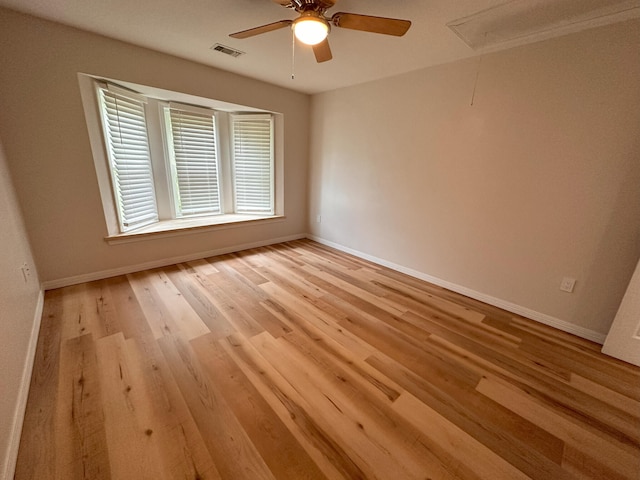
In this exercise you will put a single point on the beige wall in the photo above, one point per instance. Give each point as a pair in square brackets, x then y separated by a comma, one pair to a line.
[48, 151]
[539, 179]
[19, 306]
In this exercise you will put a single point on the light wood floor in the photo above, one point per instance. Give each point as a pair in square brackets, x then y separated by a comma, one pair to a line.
[299, 362]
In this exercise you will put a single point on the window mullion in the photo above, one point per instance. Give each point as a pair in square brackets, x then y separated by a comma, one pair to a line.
[161, 168]
[226, 170]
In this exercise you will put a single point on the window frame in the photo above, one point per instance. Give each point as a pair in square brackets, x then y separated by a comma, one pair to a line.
[169, 223]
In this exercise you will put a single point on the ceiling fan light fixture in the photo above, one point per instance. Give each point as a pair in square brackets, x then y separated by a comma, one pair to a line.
[310, 29]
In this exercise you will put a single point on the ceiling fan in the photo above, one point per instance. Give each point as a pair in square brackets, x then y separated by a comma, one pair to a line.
[312, 26]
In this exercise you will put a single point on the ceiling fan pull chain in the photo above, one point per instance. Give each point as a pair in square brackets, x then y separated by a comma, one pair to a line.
[475, 83]
[293, 55]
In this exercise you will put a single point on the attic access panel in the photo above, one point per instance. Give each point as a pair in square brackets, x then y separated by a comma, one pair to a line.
[525, 19]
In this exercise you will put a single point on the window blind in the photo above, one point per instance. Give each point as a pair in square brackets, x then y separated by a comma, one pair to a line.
[196, 163]
[252, 138]
[128, 150]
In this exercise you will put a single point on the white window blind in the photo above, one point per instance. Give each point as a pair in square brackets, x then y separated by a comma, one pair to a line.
[252, 138]
[128, 150]
[196, 163]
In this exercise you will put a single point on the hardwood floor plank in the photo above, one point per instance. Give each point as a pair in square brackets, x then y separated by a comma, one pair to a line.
[164, 306]
[410, 351]
[495, 354]
[105, 307]
[377, 302]
[605, 394]
[617, 456]
[489, 311]
[234, 454]
[533, 451]
[131, 317]
[284, 253]
[429, 306]
[80, 431]
[131, 453]
[547, 333]
[318, 320]
[247, 297]
[554, 392]
[157, 316]
[182, 316]
[368, 443]
[280, 450]
[192, 287]
[292, 279]
[228, 297]
[415, 298]
[458, 444]
[169, 424]
[224, 303]
[74, 304]
[292, 409]
[202, 267]
[587, 467]
[360, 398]
[329, 255]
[605, 371]
[251, 274]
[331, 354]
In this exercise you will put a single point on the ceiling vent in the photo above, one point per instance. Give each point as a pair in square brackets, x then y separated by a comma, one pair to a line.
[218, 47]
[524, 21]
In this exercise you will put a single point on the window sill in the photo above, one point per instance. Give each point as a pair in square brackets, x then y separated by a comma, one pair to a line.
[186, 226]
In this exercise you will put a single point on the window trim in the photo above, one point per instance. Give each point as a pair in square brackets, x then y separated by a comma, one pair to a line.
[167, 223]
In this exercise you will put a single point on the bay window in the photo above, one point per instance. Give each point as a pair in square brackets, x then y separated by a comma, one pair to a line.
[165, 165]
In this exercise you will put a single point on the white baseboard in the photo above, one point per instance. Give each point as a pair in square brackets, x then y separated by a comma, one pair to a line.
[11, 455]
[496, 302]
[90, 277]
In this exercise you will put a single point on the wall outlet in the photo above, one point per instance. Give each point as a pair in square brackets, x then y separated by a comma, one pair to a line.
[318, 218]
[567, 284]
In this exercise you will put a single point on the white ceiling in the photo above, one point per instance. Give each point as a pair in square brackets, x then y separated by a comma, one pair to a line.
[189, 28]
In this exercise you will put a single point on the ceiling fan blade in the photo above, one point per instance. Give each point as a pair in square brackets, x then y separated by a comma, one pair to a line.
[285, 3]
[322, 51]
[367, 23]
[263, 29]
